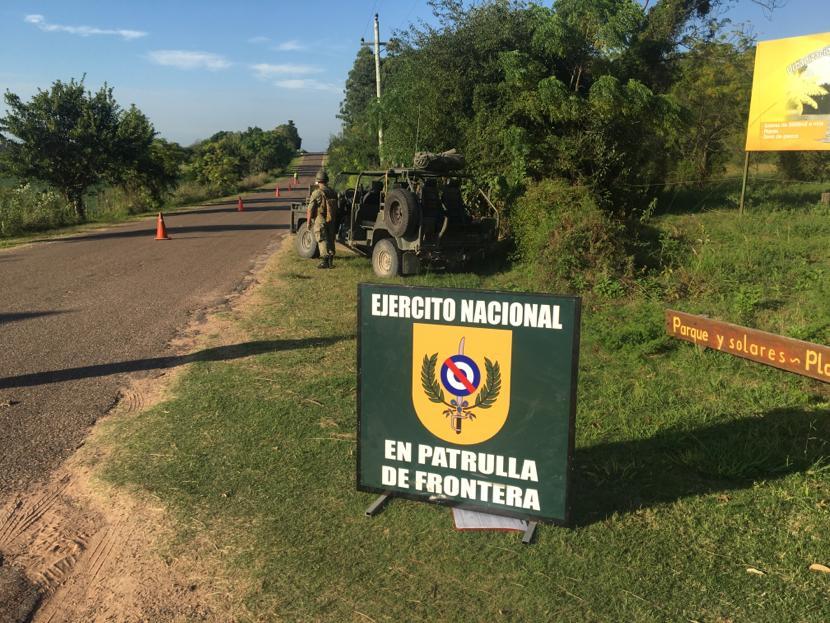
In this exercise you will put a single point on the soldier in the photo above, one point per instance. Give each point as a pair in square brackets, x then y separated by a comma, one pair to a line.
[296, 178]
[322, 213]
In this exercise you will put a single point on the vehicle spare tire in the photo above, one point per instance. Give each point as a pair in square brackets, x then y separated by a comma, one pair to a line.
[306, 243]
[401, 212]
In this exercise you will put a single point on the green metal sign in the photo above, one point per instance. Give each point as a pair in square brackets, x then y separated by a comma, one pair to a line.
[468, 398]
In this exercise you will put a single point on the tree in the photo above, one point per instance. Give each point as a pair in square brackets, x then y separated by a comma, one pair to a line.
[599, 93]
[810, 166]
[361, 89]
[713, 89]
[356, 146]
[264, 151]
[289, 131]
[529, 92]
[222, 160]
[220, 164]
[72, 139]
[154, 175]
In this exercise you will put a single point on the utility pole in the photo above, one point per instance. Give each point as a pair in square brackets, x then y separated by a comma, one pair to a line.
[376, 46]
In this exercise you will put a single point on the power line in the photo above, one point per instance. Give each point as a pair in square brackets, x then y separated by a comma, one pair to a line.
[369, 21]
[406, 19]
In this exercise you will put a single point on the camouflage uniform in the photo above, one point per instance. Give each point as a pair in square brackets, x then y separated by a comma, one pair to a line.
[323, 219]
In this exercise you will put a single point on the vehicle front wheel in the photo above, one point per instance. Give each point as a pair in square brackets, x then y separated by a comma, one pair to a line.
[306, 243]
[386, 261]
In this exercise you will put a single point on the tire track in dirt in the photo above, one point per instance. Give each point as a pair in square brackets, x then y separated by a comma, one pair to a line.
[20, 518]
[65, 595]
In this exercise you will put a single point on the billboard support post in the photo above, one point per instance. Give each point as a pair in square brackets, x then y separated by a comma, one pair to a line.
[743, 185]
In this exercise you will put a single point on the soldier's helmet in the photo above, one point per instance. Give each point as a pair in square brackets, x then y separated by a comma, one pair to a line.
[322, 176]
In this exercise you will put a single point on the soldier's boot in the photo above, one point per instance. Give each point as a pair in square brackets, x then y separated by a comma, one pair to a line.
[324, 263]
[330, 258]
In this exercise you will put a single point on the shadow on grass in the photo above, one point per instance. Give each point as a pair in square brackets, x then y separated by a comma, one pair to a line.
[626, 476]
[763, 193]
[219, 353]
[693, 199]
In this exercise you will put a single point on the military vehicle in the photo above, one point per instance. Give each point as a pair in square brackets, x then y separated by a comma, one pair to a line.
[404, 219]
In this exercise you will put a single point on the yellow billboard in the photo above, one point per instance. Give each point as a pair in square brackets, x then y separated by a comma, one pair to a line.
[790, 108]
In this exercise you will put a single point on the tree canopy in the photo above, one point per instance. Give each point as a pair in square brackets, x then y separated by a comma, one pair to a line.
[74, 139]
[226, 157]
[615, 96]
[607, 93]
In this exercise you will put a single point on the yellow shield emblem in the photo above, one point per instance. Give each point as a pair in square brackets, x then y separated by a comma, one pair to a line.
[461, 381]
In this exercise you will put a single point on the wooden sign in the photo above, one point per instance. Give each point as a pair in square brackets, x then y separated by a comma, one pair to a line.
[795, 356]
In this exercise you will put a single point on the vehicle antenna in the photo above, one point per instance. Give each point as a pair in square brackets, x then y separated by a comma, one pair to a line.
[417, 129]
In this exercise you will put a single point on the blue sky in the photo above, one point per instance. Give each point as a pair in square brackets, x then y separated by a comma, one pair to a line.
[196, 67]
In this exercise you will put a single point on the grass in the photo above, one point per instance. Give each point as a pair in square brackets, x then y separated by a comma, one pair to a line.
[692, 466]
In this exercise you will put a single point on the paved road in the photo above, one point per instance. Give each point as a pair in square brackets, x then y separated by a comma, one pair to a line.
[78, 314]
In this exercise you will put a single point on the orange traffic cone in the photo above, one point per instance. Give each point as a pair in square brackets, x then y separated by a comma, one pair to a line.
[240, 207]
[161, 230]
[277, 191]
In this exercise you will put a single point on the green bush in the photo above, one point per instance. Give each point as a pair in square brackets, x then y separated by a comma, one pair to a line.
[190, 192]
[808, 166]
[114, 202]
[25, 208]
[255, 180]
[567, 240]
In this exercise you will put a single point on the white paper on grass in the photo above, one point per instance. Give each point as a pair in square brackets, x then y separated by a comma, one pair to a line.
[473, 520]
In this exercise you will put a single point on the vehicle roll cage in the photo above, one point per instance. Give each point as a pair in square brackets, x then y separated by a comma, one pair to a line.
[406, 174]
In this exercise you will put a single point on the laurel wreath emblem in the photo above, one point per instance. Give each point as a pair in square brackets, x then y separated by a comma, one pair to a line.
[492, 386]
[485, 399]
[429, 382]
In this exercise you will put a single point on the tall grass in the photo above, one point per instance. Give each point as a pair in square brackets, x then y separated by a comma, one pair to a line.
[189, 191]
[27, 209]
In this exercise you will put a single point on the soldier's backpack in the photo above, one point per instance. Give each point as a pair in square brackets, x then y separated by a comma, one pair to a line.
[330, 203]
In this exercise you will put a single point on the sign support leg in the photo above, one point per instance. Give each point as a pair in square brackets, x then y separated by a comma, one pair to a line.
[743, 185]
[531, 530]
[377, 506]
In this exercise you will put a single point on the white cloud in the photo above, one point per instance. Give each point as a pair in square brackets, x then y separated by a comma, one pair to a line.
[290, 46]
[184, 59]
[307, 84]
[83, 31]
[266, 70]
